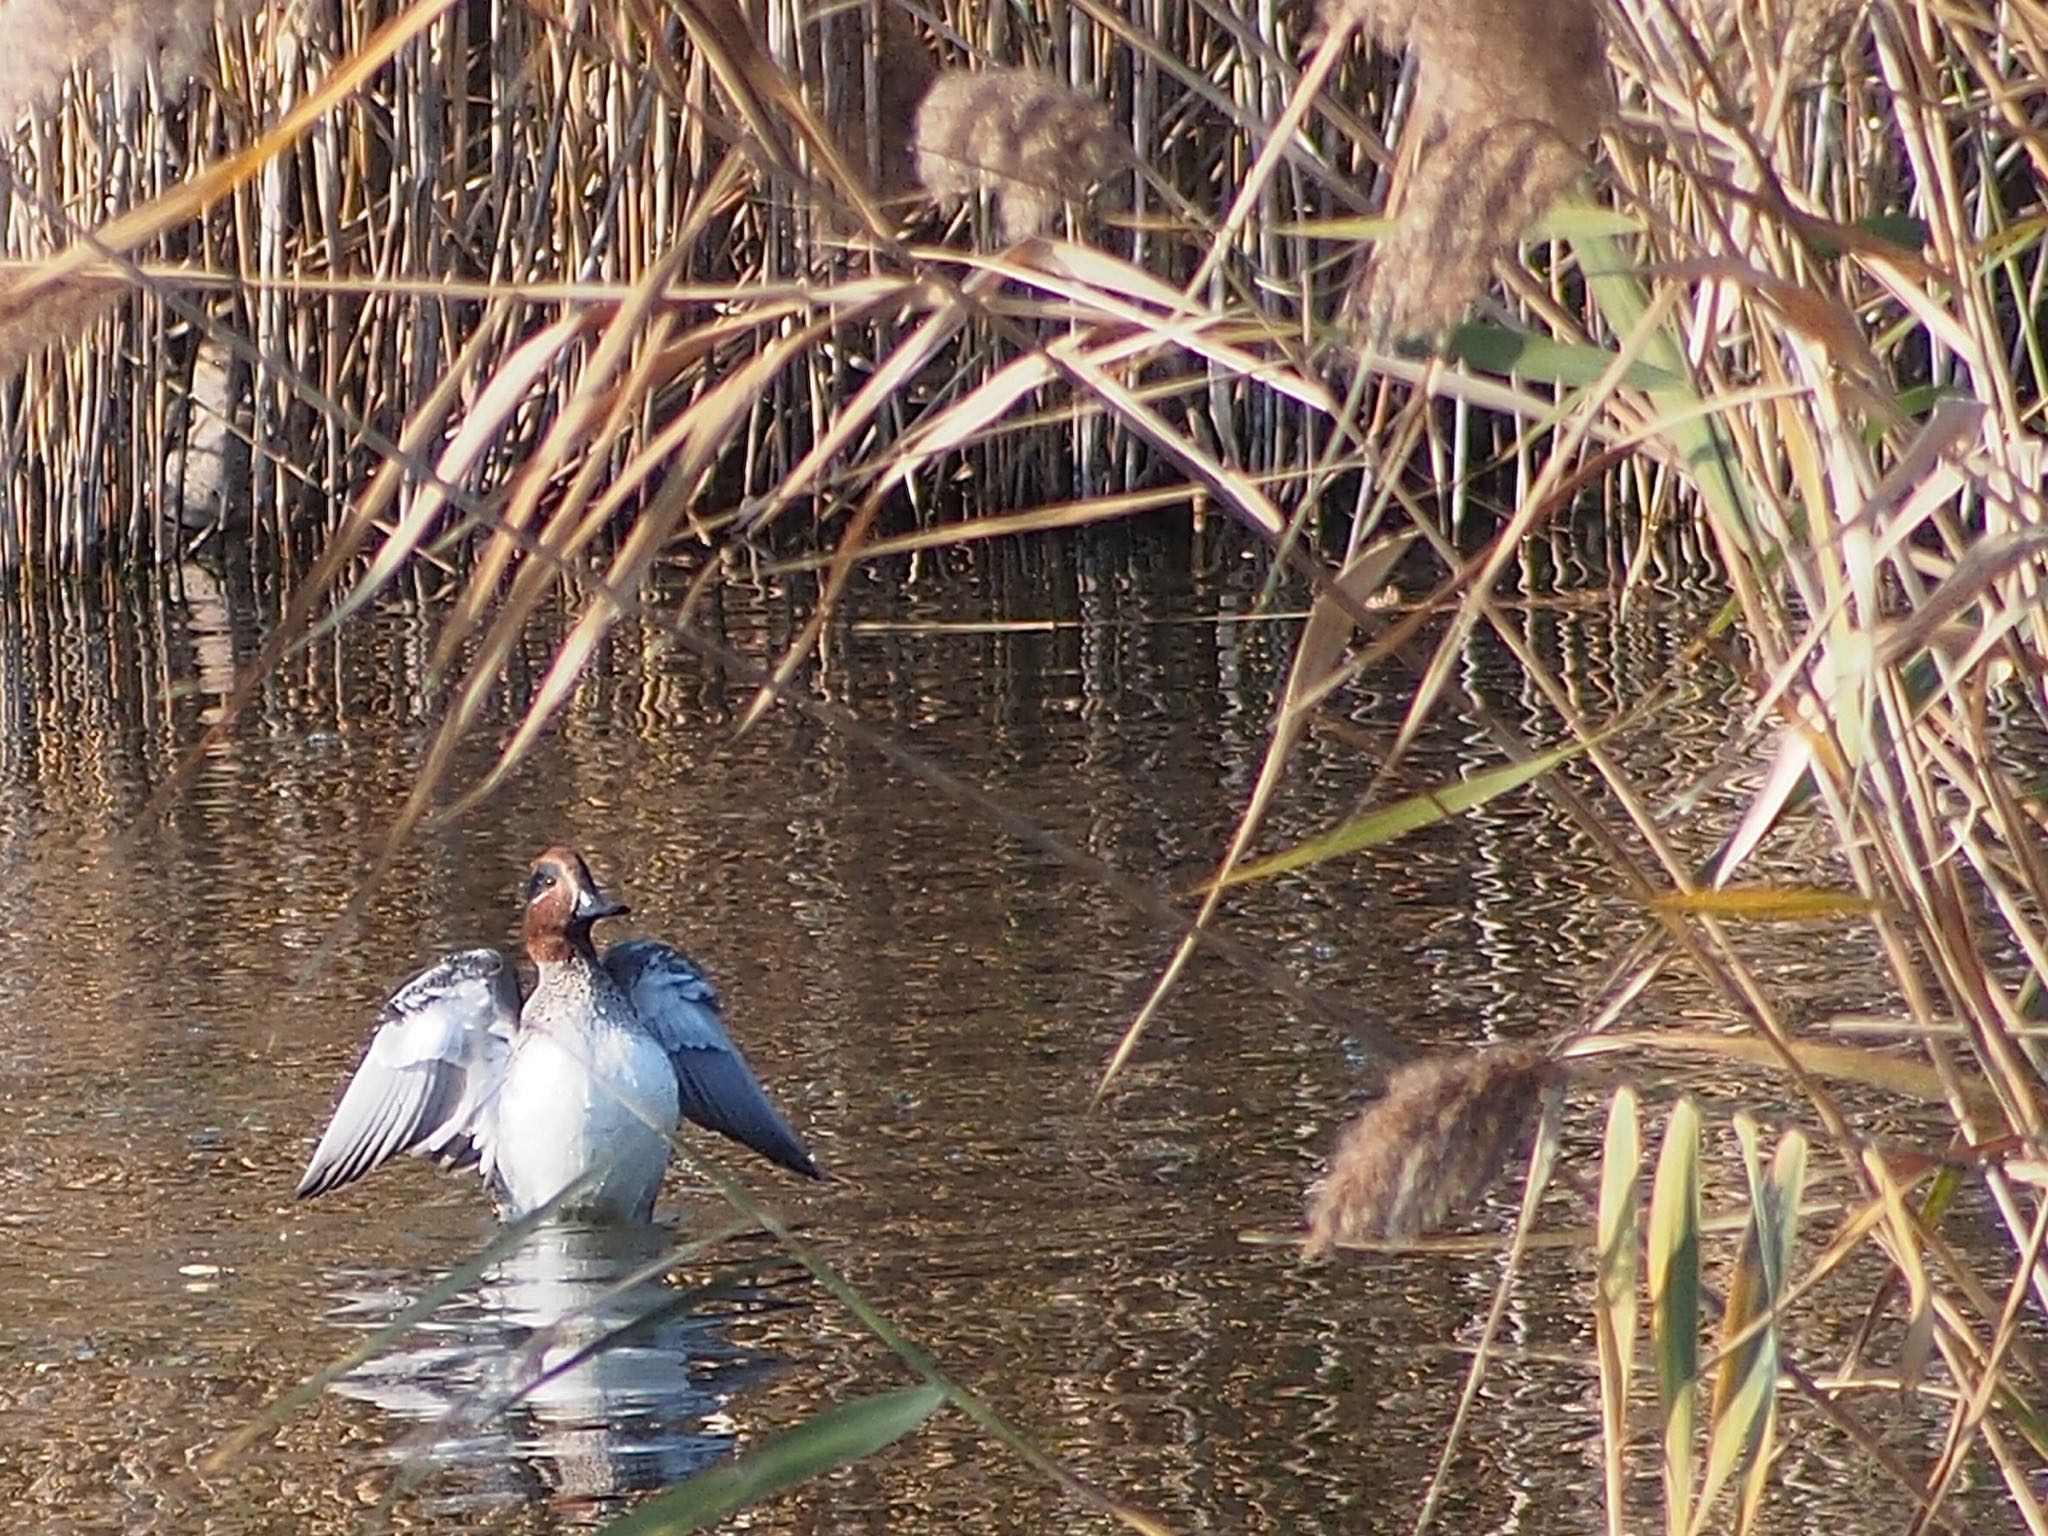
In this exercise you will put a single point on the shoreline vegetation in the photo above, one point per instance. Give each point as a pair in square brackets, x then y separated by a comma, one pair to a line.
[1394, 290]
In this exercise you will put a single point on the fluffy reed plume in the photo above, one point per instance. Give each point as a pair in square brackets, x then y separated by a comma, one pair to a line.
[1809, 30]
[51, 314]
[1441, 1133]
[47, 39]
[1022, 136]
[1507, 92]
[1470, 196]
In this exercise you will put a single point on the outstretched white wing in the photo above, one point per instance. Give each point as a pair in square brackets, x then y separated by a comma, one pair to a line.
[680, 1009]
[429, 1081]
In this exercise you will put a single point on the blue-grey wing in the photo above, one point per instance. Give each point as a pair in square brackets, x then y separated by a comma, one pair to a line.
[719, 1092]
[428, 1082]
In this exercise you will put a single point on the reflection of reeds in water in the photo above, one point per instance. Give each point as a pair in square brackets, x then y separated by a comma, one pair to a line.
[1022, 136]
[1506, 93]
[47, 39]
[1442, 1132]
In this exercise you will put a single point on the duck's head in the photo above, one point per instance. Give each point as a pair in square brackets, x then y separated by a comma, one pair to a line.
[562, 901]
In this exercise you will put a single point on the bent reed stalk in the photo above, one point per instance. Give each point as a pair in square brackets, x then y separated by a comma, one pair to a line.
[551, 299]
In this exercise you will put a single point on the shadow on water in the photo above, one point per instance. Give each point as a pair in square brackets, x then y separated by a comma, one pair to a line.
[575, 1370]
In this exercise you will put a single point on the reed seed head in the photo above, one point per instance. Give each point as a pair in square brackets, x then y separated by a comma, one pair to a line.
[1505, 61]
[1031, 141]
[1442, 1132]
[1473, 192]
[1385, 23]
[1507, 92]
[49, 314]
[47, 39]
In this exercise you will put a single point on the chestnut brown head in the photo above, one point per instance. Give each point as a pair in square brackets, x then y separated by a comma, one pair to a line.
[562, 901]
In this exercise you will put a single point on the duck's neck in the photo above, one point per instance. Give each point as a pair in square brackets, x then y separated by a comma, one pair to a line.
[551, 945]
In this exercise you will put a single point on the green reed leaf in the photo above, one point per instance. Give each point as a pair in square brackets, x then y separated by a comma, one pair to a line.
[820, 1444]
[1404, 816]
[1614, 1294]
[1527, 355]
[1674, 1255]
[1745, 1387]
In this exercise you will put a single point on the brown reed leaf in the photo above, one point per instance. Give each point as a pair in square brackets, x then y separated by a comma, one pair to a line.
[47, 39]
[1031, 141]
[1442, 1132]
[49, 314]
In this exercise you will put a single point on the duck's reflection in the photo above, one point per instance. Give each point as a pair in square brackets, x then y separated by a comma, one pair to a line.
[573, 1370]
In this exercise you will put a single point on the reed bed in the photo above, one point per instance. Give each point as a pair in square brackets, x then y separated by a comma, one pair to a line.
[548, 296]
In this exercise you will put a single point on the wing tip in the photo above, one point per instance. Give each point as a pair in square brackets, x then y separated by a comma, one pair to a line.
[314, 1182]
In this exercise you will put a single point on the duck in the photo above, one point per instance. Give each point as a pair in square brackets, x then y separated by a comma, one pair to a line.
[566, 1099]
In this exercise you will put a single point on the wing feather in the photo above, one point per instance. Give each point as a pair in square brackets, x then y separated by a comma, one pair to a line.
[430, 1076]
[719, 1091]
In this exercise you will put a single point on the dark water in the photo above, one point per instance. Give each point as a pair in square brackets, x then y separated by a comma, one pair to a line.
[931, 1001]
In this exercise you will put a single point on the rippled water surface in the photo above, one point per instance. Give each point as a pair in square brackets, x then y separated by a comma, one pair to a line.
[930, 999]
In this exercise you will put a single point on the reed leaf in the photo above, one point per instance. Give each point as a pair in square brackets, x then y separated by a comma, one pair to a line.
[1904, 1250]
[1617, 1240]
[1765, 904]
[1526, 355]
[1409, 815]
[824, 1442]
[1674, 1260]
[1743, 1415]
[1885, 1071]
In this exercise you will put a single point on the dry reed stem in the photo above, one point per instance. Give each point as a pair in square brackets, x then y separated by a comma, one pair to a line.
[1506, 92]
[1022, 136]
[880, 135]
[1442, 1132]
[1786, 37]
[47, 39]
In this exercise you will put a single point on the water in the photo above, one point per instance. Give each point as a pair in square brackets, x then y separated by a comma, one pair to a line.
[930, 1000]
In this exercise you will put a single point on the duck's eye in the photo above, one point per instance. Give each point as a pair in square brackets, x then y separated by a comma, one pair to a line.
[541, 883]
